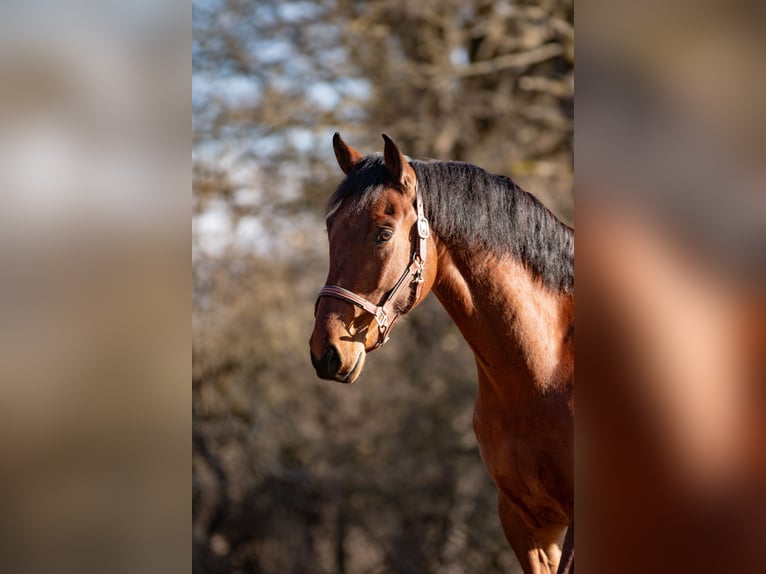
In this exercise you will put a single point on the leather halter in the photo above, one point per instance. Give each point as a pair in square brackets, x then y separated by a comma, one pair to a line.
[385, 315]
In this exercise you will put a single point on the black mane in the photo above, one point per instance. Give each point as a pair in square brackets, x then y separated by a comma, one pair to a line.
[473, 208]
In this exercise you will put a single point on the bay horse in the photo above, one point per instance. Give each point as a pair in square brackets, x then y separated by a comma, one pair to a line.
[502, 266]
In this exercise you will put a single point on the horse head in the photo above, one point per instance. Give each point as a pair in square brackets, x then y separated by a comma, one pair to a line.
[379, 269]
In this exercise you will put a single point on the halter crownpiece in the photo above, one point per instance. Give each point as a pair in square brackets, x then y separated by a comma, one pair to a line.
[385, 315]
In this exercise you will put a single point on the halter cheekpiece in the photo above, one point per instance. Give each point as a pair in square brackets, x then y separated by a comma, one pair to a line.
[385, 315]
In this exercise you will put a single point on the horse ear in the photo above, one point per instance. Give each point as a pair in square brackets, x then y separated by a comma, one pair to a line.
[400, 169]
[347, 156]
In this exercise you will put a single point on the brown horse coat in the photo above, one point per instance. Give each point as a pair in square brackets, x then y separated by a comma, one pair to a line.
[505, 276]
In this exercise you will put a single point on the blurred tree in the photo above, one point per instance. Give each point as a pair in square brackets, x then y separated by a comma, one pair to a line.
[293, 474]
[490, 82]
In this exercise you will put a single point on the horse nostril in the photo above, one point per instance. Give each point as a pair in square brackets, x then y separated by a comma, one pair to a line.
[329, 364]
[332, 359]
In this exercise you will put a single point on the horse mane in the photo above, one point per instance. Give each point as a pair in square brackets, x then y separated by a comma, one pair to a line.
[472, 208]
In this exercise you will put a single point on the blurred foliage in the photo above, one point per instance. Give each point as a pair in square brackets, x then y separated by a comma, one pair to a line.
[489, 82]
[294, 474]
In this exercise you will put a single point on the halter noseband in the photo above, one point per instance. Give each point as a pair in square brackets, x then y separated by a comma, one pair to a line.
[384, 314]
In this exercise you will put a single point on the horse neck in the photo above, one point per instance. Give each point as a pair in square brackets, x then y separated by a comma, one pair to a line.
[518, 328]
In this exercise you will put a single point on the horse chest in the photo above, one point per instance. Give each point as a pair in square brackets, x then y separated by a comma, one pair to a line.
[503, 441]
[521, 455]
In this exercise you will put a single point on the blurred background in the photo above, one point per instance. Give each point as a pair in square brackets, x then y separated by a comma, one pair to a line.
[671, 307]
[94, 280]
[294, 474]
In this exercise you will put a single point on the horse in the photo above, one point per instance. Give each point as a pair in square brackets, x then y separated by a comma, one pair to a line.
[502, 265]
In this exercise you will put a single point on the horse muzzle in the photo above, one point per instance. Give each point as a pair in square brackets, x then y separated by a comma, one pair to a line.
[330, 366]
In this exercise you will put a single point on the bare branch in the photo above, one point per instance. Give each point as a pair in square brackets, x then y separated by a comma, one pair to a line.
[557, 88]
[516, 60]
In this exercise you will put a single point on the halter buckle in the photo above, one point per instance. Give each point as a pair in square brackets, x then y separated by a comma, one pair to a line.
[424, 229]
[381, 318]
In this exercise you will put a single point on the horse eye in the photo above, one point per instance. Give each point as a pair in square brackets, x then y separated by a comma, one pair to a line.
[384, 235]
